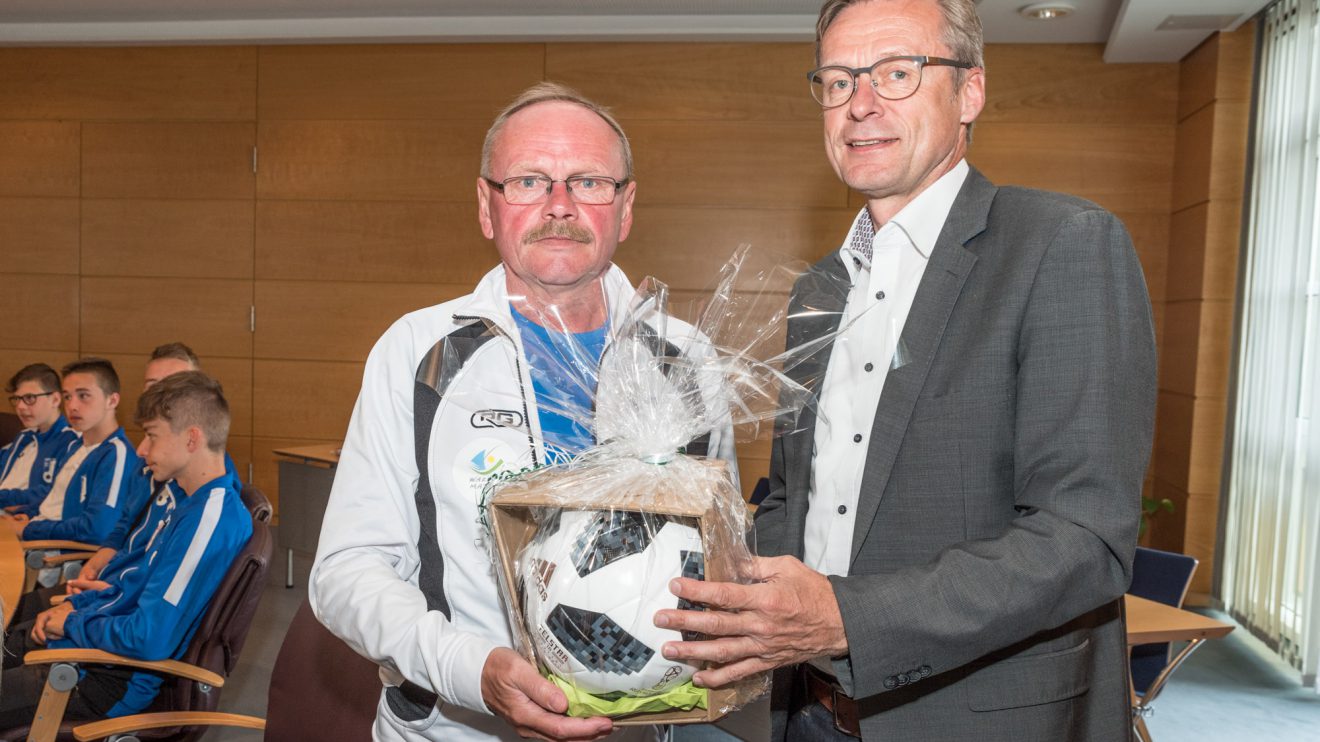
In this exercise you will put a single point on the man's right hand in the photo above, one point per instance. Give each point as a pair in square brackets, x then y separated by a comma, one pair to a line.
[92, 567]
[532, 705]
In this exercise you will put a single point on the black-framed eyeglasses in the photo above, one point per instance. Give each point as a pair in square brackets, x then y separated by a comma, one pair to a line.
[521, 190]
[28, 399]
[892, 78]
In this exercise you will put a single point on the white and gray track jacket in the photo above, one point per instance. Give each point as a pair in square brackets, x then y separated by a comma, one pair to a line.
[402, 572]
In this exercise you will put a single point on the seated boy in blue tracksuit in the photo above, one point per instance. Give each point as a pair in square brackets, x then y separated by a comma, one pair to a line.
[155, 591]
[28, 464]
[100, 472]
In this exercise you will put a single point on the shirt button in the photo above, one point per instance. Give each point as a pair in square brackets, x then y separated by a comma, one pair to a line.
[843, 510]
[879, 295]
[857, 438]
[869, 367]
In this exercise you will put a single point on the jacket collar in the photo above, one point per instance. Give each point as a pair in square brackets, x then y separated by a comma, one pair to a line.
[489, 300]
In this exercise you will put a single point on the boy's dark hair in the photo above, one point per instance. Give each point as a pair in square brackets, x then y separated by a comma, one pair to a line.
[177, 351]
[38, 372]
[186, 399]
[103, 370]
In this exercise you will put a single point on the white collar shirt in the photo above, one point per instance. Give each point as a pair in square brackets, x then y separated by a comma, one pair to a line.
[884, 285]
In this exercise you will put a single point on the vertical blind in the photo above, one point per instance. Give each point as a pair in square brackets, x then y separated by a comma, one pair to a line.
[1272, 563]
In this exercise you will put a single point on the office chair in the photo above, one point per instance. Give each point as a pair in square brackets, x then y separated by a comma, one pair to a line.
[191, 691]
[1164, 577]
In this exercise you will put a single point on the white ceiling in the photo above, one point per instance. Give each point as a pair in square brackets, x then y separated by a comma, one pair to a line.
[1129, 28]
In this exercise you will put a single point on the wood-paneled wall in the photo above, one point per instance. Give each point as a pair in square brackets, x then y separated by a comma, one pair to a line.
[1214, 106]
[133, 214]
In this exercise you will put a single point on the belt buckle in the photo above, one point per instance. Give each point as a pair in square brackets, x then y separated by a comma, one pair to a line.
[849, 730]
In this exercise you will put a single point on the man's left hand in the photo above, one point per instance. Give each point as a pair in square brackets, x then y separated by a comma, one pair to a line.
[789, 616]
[50, 623]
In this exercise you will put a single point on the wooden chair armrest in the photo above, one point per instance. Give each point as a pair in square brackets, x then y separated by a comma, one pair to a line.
[58, 544]
[73, 556]
[99, 657]
[126, 724]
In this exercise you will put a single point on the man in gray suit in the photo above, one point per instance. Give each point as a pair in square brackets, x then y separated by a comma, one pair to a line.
[952, 534]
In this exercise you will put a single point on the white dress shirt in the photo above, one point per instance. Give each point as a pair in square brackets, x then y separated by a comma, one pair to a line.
[883, 288]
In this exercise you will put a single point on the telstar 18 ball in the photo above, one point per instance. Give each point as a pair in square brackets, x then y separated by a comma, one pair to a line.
[590, 583]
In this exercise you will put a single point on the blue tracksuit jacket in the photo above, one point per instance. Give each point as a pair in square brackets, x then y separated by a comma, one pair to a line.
[154, 603]
[53, 447]
[138, 518]
[97, 494]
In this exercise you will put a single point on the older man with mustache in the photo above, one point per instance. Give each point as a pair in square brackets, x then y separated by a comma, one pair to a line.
[457, 393]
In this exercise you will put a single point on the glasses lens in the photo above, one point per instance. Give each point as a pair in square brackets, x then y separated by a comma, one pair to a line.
[592, 190]
[526, 189]
[831, 86]
[27, 399]
[896, 78]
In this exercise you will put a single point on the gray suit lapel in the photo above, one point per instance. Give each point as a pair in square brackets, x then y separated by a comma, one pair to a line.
[950, 263]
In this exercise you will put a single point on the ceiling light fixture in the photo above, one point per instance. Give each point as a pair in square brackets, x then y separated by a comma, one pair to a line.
[1046, 11]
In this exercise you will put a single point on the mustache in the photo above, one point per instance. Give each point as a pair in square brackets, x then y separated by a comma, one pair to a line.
[559, 230]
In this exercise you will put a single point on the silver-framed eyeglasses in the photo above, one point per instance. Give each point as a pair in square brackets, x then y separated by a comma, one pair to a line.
[892, 78]
[521, 190]
[28, 399]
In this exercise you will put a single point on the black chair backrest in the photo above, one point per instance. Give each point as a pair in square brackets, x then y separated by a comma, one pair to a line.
[1161, 576]
[224, 626]
[10, 427]
[319, 687]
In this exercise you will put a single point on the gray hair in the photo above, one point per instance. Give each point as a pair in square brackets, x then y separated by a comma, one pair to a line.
[961, 33]
[544, 92]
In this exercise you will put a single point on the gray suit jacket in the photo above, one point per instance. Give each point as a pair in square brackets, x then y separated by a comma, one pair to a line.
[999, 505]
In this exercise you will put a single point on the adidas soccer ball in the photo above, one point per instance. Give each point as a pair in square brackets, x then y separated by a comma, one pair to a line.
[591, 582]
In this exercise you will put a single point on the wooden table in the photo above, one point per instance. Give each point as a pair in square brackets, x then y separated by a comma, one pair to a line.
[12, 572]
[1149, 622]
[306, 473]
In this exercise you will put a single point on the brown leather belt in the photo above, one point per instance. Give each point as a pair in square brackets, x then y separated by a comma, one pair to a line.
[824, 690]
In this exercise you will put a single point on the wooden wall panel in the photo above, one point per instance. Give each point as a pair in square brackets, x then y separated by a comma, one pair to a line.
[40, 311]
[372, 241]
[303, 399]
[1187, 253]
[1199, 78]
[685, 247]
[1150, 237]
[335, 321]
[136, 83]
[1071, 84]
[235, 374]
[180, 239]
[369, 160]
[404, 81]
[1122, 168]
[1177, 361]
[748, 165]
[1214, 353]
[39, 158]
[39, 235]
[1228, 154]
[167, 160]
[1173, 447]
[11, 360]
[691, 81]
[1206, 459]
[1191, 184]
[1223, 235]
[134, 315]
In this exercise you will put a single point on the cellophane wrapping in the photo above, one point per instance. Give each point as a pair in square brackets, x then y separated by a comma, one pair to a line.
[587, 547]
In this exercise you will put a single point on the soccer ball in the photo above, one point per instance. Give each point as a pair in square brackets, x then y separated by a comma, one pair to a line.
[590, 583]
